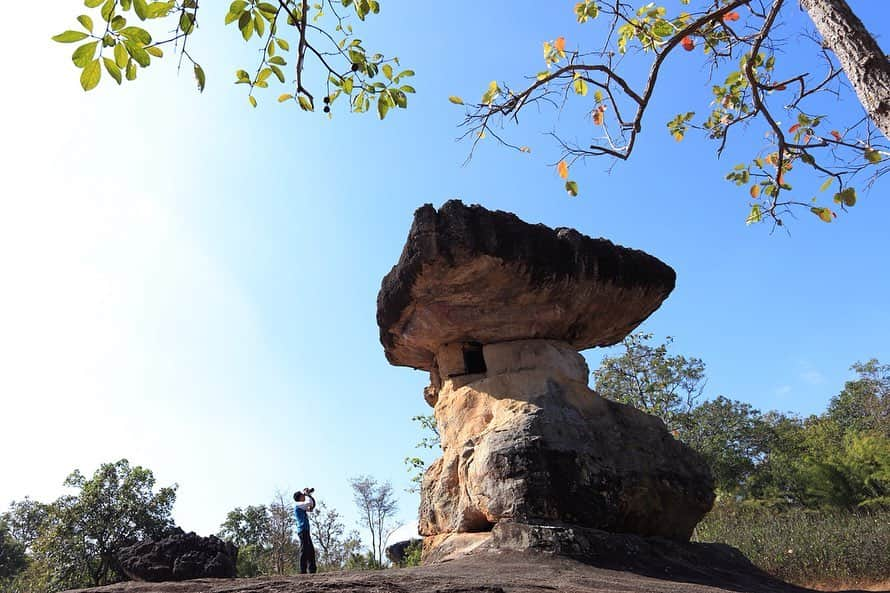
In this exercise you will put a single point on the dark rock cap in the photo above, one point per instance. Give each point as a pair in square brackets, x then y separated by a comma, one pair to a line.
[468, 274]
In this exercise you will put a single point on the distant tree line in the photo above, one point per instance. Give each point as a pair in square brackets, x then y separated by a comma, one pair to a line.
[840, 458]
[73, 542]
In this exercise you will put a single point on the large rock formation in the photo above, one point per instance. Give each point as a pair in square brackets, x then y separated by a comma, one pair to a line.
[496, 310]
[181, 556]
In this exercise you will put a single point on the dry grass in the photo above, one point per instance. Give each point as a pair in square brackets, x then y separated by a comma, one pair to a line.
[830, 550]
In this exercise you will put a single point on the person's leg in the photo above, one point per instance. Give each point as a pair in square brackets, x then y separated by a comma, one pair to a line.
[305, 547]
[311, 561]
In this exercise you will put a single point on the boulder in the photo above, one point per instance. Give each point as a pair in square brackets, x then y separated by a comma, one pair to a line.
[528, 442]
[398, 542]
[468, 274]
[179, 557]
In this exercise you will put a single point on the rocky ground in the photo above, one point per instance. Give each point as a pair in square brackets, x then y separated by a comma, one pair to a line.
[496, 572]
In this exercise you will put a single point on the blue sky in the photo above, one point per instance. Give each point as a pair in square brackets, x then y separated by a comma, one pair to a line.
[191, 283]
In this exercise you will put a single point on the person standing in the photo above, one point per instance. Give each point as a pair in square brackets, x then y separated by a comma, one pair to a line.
[304, 505]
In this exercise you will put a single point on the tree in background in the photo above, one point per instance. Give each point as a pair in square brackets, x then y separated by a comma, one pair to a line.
[377, 506]
[247, 528]
[864, 404]
[284, 551]
[12, 554]
[73, 542]
[25, 519]
[649, 379]
[328, 531]
[738, 41]
[730, 435]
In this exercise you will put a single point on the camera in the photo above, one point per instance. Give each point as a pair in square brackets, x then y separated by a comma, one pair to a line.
[308, 490]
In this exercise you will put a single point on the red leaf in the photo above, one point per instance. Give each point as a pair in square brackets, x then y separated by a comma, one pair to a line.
[731, 16]
[687, 43]
[836, 134]
[793, 128]
[781, 87]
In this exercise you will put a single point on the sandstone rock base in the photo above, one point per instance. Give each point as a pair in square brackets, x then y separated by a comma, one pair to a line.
[528, 442]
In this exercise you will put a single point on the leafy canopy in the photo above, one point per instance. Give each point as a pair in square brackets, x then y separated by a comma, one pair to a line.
[284, 30]
[753, 85]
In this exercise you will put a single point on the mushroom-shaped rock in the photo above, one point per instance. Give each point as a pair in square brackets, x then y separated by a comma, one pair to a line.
[471, 275]
[497, 309]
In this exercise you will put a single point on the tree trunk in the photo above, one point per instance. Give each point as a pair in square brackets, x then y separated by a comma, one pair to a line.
[865, 65]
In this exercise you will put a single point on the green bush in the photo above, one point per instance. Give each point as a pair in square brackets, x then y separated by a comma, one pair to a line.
[805, 546]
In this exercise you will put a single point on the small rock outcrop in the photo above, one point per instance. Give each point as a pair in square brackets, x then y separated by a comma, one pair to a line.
[496, 310]
[179, 557]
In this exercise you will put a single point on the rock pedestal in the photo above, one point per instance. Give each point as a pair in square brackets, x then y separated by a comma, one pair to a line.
[496, 310]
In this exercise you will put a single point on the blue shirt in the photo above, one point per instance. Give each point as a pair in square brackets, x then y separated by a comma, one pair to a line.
[301, 515]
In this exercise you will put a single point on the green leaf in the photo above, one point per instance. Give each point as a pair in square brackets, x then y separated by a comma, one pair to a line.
[282, 44]
[580, 86]
[572, 188]
[158, 9]
[155, 51]
[131, 70]
[84, 54]
[387, 71]
[277, 60]
[279, 74]
[245, 24]
[598, 97]
[141, 9]
[382, 105]
[492, 92]
[91, 75]
[846, 197]
[826, 184]
[407, 88]
[824, 214]
[755, 215]
[456, 100]
[872, 156]
[252, 100]
[120, 55]
[285, 97]
[70, 36]
[200, 78]
[347, 86]
[399, 98]
[138, 53]
[305, 103]
[113, 69]
[107, 10]
[136, 34]
[93, 3]
[86, 21]
[186, 22]
[237, 6]
[242, 75]
[259, 24]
